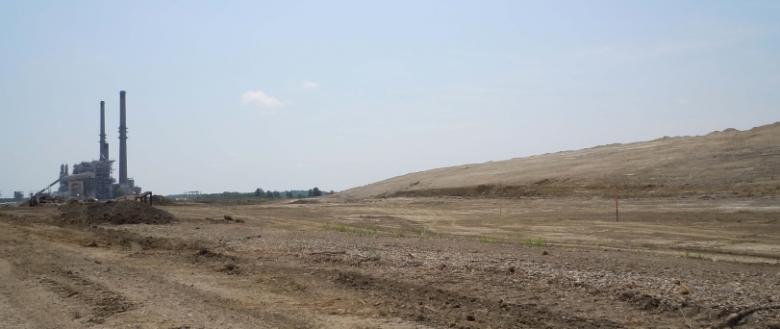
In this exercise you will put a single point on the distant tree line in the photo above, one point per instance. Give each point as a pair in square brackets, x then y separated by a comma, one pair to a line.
[291, 194]
[259, 193]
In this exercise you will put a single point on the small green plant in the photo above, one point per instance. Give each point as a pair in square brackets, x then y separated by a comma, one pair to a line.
[535, 243]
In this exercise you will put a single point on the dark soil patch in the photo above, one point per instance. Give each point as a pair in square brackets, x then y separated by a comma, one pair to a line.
[123, 212]
[305, 201]
[230, 268]
[204, 255]
[447, 308]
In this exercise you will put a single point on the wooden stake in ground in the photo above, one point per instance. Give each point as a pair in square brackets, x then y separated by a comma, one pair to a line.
[617, 212]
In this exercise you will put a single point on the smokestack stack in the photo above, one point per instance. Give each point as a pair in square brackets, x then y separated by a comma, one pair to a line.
[122, 139]
[103, 143]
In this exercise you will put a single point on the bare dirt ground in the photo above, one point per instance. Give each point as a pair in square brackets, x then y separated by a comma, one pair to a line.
[400, 263]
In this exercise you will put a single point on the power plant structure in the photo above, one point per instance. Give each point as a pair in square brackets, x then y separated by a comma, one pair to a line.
[92, 179]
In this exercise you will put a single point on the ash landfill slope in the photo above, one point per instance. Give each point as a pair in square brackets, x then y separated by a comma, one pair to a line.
[729, 163]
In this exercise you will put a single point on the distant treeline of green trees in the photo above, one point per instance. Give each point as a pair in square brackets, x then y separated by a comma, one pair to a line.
[259, 193]
[291, 194]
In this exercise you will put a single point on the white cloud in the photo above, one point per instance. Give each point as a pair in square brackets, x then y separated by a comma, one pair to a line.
[309, 85]
[260, 99]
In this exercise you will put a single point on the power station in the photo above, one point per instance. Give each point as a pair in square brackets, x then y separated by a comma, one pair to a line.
[93, 179]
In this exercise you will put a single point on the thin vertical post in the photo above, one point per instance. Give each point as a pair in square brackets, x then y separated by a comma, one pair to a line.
[617, 212]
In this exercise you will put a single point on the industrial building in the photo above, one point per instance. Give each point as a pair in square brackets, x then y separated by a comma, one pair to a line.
[93, 179]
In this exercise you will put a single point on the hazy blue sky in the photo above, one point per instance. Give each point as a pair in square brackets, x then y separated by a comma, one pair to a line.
[233, 95]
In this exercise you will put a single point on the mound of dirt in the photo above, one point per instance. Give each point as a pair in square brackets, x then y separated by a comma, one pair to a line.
[305, 201]
[122, 212]
[731, 163]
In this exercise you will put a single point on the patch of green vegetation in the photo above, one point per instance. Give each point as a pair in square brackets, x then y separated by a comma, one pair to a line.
[535, 243]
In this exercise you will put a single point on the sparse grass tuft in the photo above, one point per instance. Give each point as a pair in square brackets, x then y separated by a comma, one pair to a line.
[536, 243]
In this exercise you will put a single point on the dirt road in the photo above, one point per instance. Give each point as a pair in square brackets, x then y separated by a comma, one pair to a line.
[405, 263]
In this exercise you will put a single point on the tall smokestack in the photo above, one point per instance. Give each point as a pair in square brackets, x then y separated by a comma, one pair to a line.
[103, 143]
[122, 139]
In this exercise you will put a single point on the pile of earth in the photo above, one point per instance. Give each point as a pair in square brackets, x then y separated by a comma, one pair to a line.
[114, 212]
[305, 201]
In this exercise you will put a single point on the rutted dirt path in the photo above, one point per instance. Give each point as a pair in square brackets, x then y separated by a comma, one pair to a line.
[271, 273]
[48, 283]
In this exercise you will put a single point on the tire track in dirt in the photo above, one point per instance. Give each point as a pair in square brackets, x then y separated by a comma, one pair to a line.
[447, 308]
[416, 302]
[392, 297]
[162, 294]
[367, 282]
[27, 304]
[35, 271]
[516, 297]
[78, 277]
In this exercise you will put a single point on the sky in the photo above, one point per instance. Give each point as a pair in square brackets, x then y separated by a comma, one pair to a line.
[235, 95]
